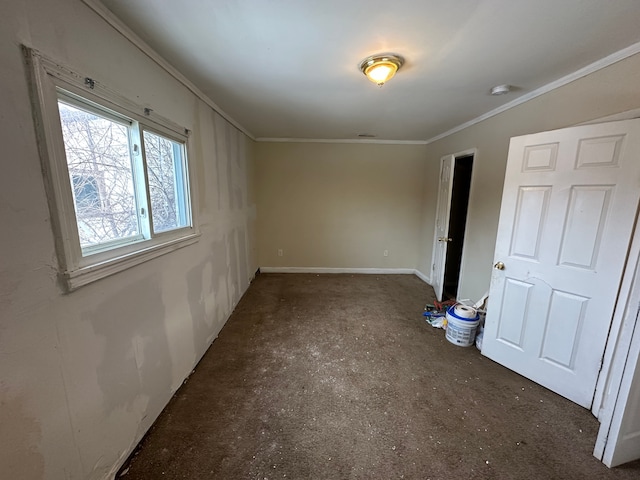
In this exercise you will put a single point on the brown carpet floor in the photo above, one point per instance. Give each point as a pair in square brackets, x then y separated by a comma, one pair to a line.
[340, 377]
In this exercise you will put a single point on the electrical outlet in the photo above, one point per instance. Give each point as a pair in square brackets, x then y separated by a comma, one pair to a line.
[280, 252]
[385, 253]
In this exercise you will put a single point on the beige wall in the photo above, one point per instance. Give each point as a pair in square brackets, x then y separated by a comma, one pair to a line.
[339, 205]
[83, 375]
[606, 92]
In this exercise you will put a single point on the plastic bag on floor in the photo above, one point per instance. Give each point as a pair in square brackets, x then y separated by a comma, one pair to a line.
[437, 321]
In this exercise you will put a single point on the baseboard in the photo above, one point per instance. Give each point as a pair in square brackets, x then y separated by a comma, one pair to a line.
[422, 277]
[376, 271]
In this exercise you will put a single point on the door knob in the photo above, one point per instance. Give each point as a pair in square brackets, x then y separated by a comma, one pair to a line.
[444, 239]
[499, 266]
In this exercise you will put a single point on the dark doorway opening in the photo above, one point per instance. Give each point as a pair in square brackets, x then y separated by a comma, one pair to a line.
[457, 223]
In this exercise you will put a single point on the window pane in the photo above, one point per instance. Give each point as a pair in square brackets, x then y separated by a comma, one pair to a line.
[100, 171]
[167, 181]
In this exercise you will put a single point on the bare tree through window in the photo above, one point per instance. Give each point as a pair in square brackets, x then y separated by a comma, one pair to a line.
[165, 178]
[100, 170]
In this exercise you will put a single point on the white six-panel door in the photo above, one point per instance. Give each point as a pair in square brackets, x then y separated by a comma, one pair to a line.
[568, 210]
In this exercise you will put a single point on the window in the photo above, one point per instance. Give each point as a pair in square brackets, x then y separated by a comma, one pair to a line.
[117, 176]
[100, 166]
[165, 167]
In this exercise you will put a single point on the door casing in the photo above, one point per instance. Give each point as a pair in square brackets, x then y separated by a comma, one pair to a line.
[438, 276]
[617, 383]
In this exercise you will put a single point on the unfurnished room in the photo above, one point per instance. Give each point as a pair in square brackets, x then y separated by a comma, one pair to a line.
[352, 239]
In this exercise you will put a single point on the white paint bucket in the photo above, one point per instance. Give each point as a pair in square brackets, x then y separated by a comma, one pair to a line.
[462, 322]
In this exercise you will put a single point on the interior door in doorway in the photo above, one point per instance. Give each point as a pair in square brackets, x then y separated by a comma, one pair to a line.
[462, 170]
[568, 210]
[441, 235]
[451, 218]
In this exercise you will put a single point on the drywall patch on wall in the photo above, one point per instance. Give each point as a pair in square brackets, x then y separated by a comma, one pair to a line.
[223, 177]
[215, 286]
[243, 267]
[240, 184]
[20, 435]
[233, 270]
[103, 466]
[238, 192]
[95, 367]
[120, 375]
[219, 257]
[231, 148]
[178, 323]
[136, 357]
[201, 296]
[217, 152]
[197, 149]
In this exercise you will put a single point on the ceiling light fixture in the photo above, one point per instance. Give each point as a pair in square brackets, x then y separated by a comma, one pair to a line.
[381, 68]
[500, 89]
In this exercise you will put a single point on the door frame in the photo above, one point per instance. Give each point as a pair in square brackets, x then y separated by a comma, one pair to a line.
[464, 153]
[624, 328]
[613, 378]
[613, 359]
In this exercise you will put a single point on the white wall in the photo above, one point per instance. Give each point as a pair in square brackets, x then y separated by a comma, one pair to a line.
[608, 91]
[337, 205]
[84, 375]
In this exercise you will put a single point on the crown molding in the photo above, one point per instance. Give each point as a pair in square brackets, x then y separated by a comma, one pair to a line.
[561, 82]
[130, 35]
[145, 48]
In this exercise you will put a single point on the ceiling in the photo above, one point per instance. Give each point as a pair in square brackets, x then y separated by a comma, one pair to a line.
[289, 68]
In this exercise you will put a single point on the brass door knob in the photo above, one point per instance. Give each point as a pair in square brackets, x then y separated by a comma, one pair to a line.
[499, 266]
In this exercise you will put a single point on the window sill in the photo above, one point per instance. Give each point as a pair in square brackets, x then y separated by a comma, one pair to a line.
[82, 276]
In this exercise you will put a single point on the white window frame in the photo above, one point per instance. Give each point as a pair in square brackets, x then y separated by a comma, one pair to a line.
[48, 80]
